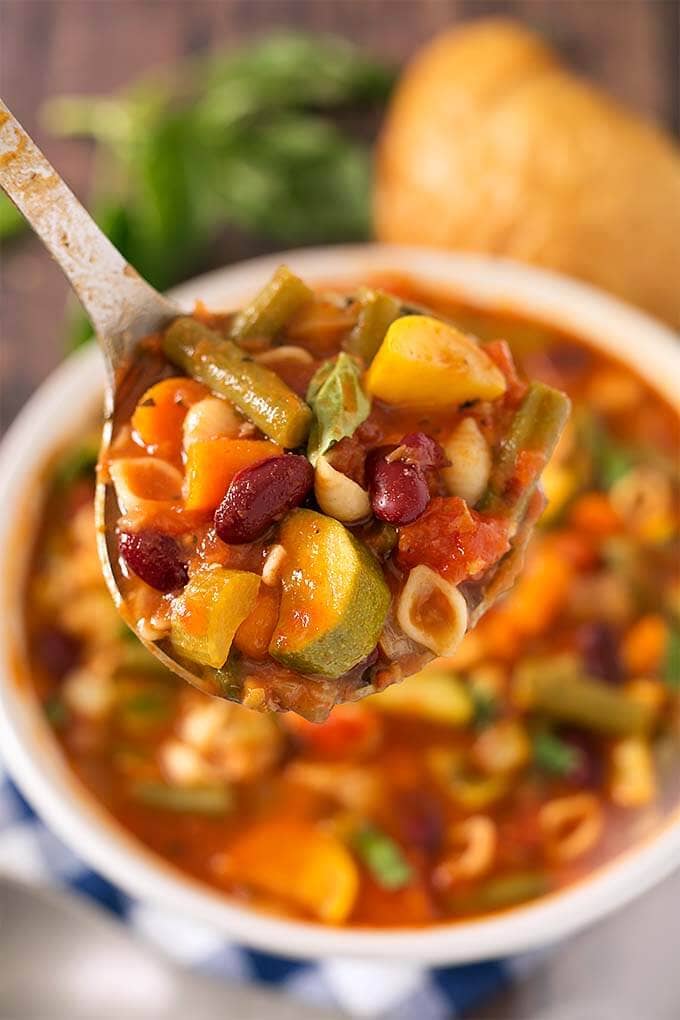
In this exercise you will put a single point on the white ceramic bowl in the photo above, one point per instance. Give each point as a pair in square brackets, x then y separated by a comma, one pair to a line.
[55, 413]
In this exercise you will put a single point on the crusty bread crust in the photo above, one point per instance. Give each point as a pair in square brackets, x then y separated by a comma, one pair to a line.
[491, 145]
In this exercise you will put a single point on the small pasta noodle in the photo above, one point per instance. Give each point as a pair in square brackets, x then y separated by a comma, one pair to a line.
[144, 483]
[432, 611]
[473, 844]
[571, 826]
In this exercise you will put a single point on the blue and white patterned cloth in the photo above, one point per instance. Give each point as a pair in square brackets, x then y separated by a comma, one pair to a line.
[28, 850]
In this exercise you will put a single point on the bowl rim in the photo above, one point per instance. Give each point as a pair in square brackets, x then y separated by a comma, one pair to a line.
[33, 758]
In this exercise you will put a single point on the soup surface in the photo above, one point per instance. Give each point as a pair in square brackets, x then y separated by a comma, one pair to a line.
[547, 744]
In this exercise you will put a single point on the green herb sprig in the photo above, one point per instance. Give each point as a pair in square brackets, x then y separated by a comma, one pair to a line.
[252, 139]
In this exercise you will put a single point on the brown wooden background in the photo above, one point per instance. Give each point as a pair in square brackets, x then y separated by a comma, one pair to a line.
[51, 46]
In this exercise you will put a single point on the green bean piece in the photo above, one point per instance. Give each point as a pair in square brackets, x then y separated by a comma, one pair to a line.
[536, 427]
[201, 800]
[505, 891]
[272, 307]
[556, 688]
[377, 311]
[671, 661]
[257, 391]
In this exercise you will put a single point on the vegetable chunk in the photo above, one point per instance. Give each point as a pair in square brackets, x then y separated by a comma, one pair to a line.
[258, 392]
[212, 606]
[334, 601]
[299, 864]
[212, 463]
[424, 362]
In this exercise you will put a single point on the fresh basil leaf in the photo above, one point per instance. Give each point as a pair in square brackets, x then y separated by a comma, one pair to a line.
[339, 404]
[244, 140]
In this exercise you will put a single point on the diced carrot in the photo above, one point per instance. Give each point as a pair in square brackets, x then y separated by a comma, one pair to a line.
[350, 731]
[212, 463]
[253, 636]
[644, 645]
[298, 864]
[594, 514]
[160, 413]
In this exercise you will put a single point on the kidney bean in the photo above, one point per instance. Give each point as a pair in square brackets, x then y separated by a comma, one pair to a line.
[58, 651]
[421, 820]
[154, 557]
[261, 494]
[419, 448]
[398, 491]
[598, 645]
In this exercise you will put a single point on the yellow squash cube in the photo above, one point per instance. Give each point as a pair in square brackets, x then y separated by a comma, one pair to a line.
[423, 362]
[209, 611]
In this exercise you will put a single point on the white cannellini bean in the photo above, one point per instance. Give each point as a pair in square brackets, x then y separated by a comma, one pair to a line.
[339, 496]
[443, 629]
[470, 456]
[210, 418]
[144, 482]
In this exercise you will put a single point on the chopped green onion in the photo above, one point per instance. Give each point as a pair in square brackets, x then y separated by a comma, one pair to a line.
[553, 755]
[671, 664]
[200, 800]
[382, 857]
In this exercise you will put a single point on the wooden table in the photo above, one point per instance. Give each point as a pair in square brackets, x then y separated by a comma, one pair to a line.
[54, 46]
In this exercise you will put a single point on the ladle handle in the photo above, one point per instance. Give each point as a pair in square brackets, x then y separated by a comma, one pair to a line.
[120, 304]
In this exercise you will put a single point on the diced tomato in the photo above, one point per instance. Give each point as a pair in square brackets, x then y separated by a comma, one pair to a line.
[350, 731]
[452, 539]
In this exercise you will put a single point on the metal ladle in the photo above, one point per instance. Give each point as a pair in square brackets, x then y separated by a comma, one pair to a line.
[123, 309]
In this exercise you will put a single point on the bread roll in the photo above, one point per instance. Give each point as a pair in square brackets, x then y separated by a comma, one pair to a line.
[491, 145]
